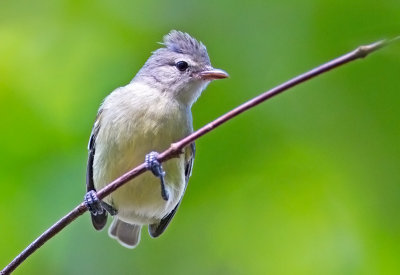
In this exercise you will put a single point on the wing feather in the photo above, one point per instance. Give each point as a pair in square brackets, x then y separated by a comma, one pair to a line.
[98, 221]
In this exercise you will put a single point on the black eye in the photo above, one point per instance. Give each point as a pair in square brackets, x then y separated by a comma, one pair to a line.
[182, 65]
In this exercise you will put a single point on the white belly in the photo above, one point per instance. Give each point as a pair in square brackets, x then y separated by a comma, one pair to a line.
[140, 202]
[128, 131]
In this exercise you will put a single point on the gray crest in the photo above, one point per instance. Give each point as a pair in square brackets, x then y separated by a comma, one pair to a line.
[183, 43]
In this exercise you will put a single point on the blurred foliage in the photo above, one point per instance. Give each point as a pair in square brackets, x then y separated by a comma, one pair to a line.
[307, 183]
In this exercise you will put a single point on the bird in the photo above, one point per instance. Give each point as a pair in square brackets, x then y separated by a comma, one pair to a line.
[135, 122]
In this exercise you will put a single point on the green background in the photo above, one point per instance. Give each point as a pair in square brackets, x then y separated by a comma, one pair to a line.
[307, 183]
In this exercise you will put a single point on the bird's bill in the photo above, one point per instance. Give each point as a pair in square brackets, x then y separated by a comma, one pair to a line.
[213, 74]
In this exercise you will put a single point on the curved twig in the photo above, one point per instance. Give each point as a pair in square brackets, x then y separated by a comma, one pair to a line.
[176, 148]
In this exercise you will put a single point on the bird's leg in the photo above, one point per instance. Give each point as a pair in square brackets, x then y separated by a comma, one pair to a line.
[155, 167]
[109, 208]
[97, 207]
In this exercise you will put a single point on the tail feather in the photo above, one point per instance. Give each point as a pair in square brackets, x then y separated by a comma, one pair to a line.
[127, 234]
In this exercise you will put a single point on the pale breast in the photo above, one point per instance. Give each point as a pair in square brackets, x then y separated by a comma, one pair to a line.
[134, 123]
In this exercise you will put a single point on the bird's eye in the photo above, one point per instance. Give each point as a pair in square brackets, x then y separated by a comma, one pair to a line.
[182, 65]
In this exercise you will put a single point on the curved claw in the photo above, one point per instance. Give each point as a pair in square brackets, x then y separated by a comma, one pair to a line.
[93, 203]
[96, 206]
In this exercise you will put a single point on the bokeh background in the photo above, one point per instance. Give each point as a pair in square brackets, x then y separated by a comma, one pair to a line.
[307, 183]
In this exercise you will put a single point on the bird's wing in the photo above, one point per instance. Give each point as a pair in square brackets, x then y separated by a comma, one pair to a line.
[98, 221]
[157, 229]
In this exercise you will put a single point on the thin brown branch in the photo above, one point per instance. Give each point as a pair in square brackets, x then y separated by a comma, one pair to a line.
[176, 148]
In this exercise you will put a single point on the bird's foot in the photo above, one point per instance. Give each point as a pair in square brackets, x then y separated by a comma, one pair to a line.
[93, 203]
[155, 167]
[96, 206]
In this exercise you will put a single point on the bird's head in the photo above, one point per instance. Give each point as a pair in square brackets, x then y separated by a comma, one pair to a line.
[182, 68]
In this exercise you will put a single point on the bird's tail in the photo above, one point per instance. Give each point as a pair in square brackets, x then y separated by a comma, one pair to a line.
[127, 234]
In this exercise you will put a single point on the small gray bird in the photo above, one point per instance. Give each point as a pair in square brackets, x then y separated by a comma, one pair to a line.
[136, 121]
